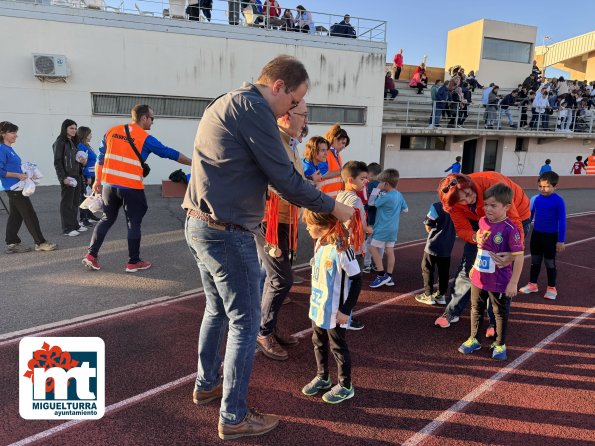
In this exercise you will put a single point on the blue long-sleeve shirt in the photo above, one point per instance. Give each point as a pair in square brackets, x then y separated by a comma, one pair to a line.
[9, 162]
[456, 168]
[89, 169]
[549, 215]
[545, 168]
[151, 145]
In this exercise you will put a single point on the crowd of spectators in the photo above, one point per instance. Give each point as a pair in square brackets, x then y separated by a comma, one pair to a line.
[268, 14]
[555, 103]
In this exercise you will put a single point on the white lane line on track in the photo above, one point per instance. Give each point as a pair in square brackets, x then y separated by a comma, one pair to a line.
[81, 321]
[109, 409]
[189, 378]
[460, 406]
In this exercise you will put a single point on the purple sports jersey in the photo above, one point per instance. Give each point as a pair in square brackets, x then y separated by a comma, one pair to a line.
[502, 236]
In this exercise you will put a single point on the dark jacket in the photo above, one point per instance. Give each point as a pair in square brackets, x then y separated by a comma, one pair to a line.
[343, 29]
[443, 94]
[507, 101]
[65, 161]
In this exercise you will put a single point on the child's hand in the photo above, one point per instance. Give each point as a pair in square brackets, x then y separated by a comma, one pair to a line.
[560, 247]
[369, 230]
[341, 318]
[316, 177]
[511, 289]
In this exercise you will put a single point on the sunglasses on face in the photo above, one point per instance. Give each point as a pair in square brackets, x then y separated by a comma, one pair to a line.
[452, 183]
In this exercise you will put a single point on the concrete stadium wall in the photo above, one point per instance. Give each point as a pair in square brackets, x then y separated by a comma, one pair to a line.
[417, 164]
[114, 53]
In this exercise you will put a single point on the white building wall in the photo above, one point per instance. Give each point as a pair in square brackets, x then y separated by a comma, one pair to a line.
[506, 74]
[112, 53]
[431, 163]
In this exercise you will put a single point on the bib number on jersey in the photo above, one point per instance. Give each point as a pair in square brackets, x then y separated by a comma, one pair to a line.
[484, 262]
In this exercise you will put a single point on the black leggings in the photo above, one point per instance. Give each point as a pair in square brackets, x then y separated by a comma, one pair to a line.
[334, 340]
[500, 306]
[543, 246]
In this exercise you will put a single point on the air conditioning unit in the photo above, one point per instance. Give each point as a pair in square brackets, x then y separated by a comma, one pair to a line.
[50, 66]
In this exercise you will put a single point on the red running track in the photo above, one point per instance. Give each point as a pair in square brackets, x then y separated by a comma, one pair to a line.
[412, 386]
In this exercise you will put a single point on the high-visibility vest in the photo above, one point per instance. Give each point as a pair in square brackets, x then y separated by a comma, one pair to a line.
[591, 165]
[121, 166]
[332, 186]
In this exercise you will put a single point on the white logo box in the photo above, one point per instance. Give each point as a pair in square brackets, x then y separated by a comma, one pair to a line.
[78, 360]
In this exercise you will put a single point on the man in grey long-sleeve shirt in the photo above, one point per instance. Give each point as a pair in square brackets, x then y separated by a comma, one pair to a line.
[237, 153]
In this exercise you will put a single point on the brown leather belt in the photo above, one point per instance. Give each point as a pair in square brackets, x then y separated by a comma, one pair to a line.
[203, 216]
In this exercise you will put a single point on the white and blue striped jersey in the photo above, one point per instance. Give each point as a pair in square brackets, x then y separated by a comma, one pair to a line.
[330, 283]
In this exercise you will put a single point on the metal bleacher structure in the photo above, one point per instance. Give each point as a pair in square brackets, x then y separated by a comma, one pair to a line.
[409, 114]
[366, 29]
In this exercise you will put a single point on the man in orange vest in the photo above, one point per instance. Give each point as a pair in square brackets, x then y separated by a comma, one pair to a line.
[590, 164]
[120, 170]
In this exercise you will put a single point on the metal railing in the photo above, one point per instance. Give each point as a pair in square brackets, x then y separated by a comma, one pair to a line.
[232, 13]
[416, 114]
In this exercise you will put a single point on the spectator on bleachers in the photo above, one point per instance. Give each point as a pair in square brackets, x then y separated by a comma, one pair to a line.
[492, 108]
[522, 99]
[389, 86]
[288, 21]
[193, 10]
[303, 21]
[484, 101]
[419, 81]
[443, 98]
[272, 13]
[530, 82]
[458, 109]
[563, 116]
[398, 64]
[535, 70]
[508, 101]
[421, 66]
[343, 28]
[434, 89]
[233, 12]
[473, 83]
[541, 105]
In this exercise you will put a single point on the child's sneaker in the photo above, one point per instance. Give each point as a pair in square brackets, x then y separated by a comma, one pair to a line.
[390, 282]
[316, 385]
[439, 299]
[529, 288]
[424, 299]
[445, 320]
[134, 267]
[355, 324]
[469, 346]
[499, 353]
[381, 280]
[491, 332]
[551, 293]
[367, 269]
[91, 262]
[338, 394]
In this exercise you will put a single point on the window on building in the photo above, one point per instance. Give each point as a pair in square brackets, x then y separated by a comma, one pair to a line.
[112, 104]
[163, 106]
[327, 114]
[506, 50]
[520, 145]
[411, 142]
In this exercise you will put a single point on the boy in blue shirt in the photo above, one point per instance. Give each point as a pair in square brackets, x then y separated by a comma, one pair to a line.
[441, 239]
[389, 204]
[549, 233]
[546, 167]
[456, 166]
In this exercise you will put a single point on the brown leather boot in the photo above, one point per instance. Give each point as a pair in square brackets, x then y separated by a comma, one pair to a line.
[254, 424]
[269, 347]
[201, 397]
[285, 338]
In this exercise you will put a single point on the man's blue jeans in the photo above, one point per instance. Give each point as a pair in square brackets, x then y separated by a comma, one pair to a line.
[229, 271]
